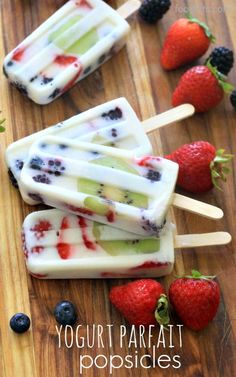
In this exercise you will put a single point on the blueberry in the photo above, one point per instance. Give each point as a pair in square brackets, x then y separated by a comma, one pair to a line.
[33, 78]
[20, 323]
[63, 146]
[87, 70]
[114, 132]
[36, 163]
[10, 63]
[153, 175]
[19, 164]
[65, 313]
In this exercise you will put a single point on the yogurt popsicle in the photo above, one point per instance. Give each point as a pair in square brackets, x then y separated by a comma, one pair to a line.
[59, 245]
[72, 43]
[113, 123]
[105, 184]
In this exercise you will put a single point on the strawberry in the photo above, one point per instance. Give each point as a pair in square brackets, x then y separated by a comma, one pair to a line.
[200, 166]
[187, 39]
[202, 86]
[195, 299]
[142, 302]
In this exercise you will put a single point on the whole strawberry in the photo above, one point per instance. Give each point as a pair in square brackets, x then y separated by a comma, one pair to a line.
[195, 299]
[187, 39]
[201, 166]
[202, 86]
[142, 302]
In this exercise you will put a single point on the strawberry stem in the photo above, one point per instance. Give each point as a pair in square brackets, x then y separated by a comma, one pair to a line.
[203, 25]
[162, 311]
[218, 170]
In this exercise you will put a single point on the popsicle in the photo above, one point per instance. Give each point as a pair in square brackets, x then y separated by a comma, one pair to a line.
[102, 183]
[72, 43]
[113, 123]
[59, 245]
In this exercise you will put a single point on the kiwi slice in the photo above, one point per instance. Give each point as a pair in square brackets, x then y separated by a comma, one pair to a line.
[110, 192]
[124, 247]
[81, 45]
[95, 205]
[98, 139]
[87, 41]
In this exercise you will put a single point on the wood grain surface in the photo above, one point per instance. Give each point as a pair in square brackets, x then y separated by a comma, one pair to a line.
[136, 74]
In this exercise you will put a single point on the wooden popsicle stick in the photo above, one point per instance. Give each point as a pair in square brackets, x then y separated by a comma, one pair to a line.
[130, 7]
[170, 116]
[195, 206]
[202, 239]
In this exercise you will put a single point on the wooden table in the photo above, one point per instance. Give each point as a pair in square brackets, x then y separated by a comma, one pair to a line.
[136, 74]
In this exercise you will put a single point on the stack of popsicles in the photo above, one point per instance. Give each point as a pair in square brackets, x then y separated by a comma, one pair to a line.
[97, 168]
[112, 198]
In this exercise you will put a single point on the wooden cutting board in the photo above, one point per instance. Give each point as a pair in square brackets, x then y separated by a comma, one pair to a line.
[136, 74]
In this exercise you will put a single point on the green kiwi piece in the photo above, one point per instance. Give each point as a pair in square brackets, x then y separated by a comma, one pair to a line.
[111, 192]
[96, 205]
[127, 247]
[81, 45]
[84, 43]
[58, 33]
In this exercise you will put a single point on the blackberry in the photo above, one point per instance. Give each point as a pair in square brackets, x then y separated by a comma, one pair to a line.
[113, 114]
[153, 10]
[55, 93]
[222, 58]
[22, 88]
[20, 323]
[42, 178]
[46, 80]
[4, 71]
[55, 167]
[65, 313]
[12, 179]
[35, 197]
[153, 175]
[101, 59]
[87, 70]
[233, 98]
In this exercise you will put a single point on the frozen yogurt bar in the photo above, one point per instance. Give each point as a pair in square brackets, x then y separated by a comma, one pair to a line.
[71, 44]
[113, 123]
[108, 185]
[59, 245]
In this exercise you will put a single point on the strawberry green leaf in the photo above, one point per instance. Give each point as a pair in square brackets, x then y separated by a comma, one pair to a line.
[218, 170]
[197, 275]
[2, 129]
[162, 311]
[226, 86]
[203, 25]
